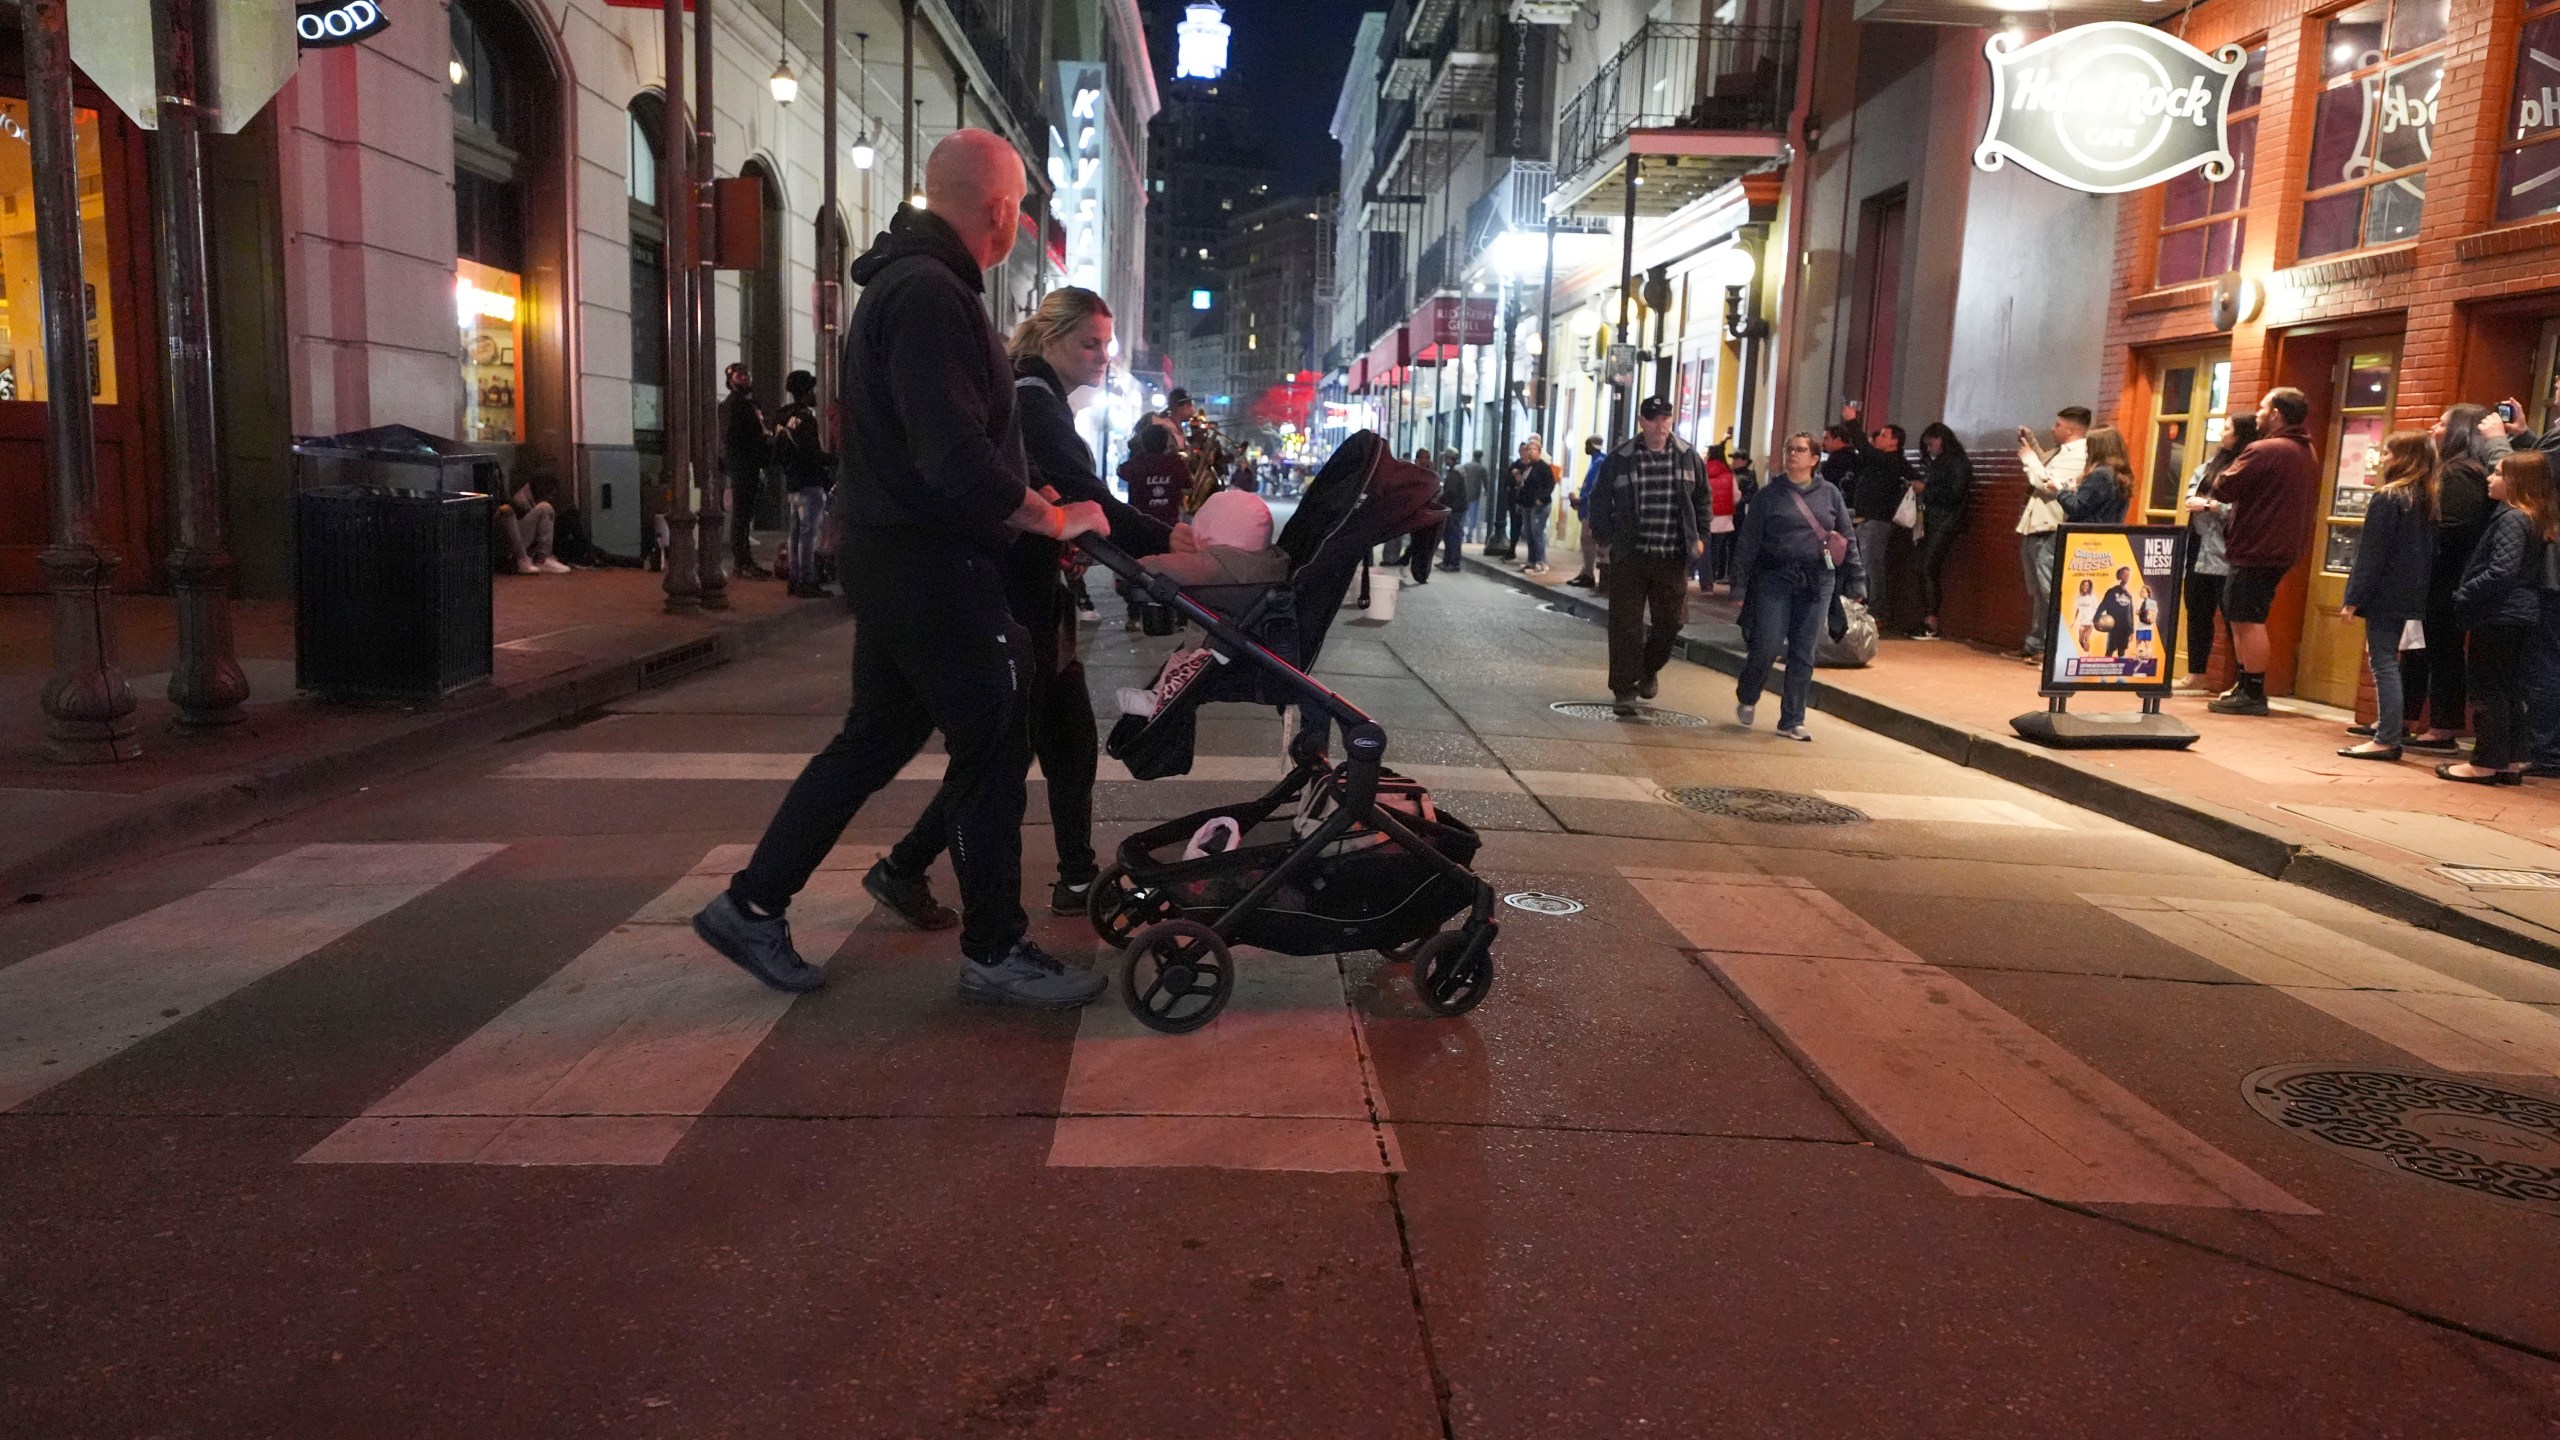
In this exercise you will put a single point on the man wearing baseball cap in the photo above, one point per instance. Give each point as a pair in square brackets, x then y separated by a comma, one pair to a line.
[1650, 508]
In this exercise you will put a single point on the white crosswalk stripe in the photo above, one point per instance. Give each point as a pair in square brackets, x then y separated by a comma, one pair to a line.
[78, 1004]
[1277, 1082]
[2446, 1022]
[611, 1060]
[1953, 1077]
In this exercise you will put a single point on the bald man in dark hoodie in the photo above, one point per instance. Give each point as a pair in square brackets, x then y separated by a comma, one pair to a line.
[936, 488]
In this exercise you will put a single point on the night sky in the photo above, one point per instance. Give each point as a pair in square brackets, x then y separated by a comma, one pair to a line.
[1287, 57]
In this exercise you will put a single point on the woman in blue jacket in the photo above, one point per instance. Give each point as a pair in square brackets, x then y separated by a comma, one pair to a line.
[1786, 574]
[2499, 602]
[2388, 586]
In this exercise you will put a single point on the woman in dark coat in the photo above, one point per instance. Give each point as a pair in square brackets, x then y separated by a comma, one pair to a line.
[2442, 672]
[2499, 599]
[1946, 488]
[1784, 571]
[2388, 587]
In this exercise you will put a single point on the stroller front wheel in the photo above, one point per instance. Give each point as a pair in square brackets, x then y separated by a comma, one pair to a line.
[1176, 976]
[1452, 974]
[1116, 909]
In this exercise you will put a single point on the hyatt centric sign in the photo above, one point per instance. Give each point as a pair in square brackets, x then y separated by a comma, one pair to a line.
[2108, 107]
[338, 22]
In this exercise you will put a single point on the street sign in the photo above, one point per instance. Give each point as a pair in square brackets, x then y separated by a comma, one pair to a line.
[250, 51]
[2109, 107]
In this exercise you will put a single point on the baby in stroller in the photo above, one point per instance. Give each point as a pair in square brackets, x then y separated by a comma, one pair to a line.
[1336, 857]
[1235, 554]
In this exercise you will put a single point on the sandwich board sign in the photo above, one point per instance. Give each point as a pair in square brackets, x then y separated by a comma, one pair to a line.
[2109, 107]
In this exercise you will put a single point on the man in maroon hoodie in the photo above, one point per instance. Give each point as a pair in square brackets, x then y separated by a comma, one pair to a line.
[2272, 490]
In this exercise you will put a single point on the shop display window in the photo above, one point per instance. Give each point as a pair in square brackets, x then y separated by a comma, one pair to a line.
[2364, 417]
[2203, 223]
[22, 370]
[485, 302]
[2529, 171]
[2373, 127]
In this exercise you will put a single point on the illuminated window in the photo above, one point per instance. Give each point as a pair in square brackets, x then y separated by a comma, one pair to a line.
[22, 374]
[1200, 299]
[2381, 64]
[485, 302]
[2204, 222]
[2529, 173]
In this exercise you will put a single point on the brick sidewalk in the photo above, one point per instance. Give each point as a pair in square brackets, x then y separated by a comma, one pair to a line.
[2267, 792]
[564, 643]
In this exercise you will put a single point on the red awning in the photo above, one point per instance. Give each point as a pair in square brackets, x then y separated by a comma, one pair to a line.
[1446, 322]
[1359, 376]
[1387, 360]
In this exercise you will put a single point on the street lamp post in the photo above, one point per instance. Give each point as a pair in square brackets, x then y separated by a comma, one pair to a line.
[88, 705]
[1622, 390]
[206, 683]
[683, 583]
[830, 244]
[706, 321]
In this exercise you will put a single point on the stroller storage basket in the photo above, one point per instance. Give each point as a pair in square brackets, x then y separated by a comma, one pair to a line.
[1369, 894]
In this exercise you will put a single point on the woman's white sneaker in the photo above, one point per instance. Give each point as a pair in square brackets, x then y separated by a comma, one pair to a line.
[1794, 732]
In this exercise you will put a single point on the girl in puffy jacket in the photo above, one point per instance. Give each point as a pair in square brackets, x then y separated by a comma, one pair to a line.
[2499, 602]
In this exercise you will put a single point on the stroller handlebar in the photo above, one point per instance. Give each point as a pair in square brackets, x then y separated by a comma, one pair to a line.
[1362, 736]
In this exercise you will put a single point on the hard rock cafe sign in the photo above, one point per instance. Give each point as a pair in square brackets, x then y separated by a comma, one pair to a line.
[2109, 106]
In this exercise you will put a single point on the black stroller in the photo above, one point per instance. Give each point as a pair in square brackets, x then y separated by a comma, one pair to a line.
[1336, 857]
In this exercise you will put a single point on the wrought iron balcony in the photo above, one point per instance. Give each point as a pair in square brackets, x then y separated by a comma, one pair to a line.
[1699, 104]
[1009, 37]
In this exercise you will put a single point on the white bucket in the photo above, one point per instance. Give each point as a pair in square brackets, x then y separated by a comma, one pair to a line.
[1382, 597]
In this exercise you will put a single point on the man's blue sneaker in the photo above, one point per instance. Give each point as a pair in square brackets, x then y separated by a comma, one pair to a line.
[762, 948]
[1026, 975]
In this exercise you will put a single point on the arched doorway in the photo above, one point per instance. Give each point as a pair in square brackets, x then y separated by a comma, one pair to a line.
[764, 321]
[511, 265]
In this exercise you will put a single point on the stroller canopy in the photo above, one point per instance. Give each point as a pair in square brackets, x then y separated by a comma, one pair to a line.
[1362, 498]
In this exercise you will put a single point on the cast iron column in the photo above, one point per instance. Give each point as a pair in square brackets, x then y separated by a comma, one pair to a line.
[830, 245]
[88, 706]
[1546, 325]
[907, 102]
[1502, 432]
[683, 584]
[711, 540]
[206, 683]
[1623, 391]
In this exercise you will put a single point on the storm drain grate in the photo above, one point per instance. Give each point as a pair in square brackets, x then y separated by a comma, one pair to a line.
[668, 666]
[1769, 807]
[2504, 1144]
[1645, 714]
[1539, 902]
[2490, 877]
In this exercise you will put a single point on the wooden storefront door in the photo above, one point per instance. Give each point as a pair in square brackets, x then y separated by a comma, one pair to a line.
[115, 245]
[2329, 661]
[2190, 404]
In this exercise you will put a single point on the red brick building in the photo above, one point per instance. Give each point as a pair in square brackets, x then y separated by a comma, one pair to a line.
[2395, 226]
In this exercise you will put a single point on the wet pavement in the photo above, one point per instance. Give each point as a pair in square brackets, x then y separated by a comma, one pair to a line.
[419, 1112]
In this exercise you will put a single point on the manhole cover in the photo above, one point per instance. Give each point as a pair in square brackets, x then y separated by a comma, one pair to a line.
[1538, 902]
[2491, 878]
[2504, 1144]
[1645, 714]
[1769, 807]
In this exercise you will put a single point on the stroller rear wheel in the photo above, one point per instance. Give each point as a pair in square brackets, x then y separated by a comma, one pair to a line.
[1450, 973]
[1176, 976]
[1118, 910]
